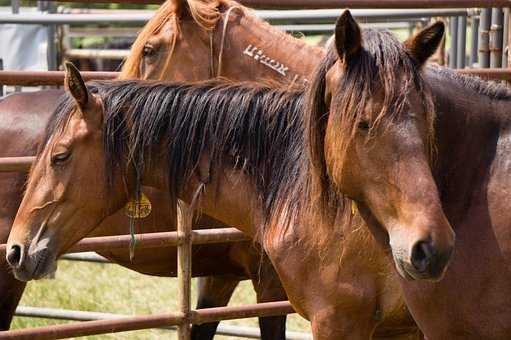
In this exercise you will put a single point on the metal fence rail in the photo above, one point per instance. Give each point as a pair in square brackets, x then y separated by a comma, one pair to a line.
[75, 315]
[35, 78]
[184, 237]
[302, 16]
[85, 257]
[130, 323]
[311, 4]
[154, 240]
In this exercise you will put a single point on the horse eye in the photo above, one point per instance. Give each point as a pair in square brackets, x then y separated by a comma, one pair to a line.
[363, 125]
[60, 158]
[148, 51]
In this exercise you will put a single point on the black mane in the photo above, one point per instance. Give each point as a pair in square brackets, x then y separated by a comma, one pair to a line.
[258, 129]
[491, 89]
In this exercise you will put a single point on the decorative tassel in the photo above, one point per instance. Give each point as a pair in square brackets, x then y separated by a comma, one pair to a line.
[136, 210]
[353, 208]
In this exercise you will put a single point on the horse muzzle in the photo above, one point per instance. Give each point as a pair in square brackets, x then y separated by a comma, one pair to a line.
[425, 262]
[31, 263]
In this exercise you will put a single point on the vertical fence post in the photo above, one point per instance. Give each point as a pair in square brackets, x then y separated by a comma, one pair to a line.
[462, 42]
[1, 69]
[15, 6]
[184, 267]
[474, 38]
[51, 52]
[505, 38]
[497, 19]
[484, 38]
[508, 39]
[453, 50]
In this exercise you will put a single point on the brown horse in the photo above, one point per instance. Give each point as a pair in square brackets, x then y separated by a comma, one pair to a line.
[346, 141]
[24, 116]
[200, 39]
[187, 27]
[470, 168]
[250, 140]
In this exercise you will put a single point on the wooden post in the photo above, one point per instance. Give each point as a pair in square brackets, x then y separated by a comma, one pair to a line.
[184, 267]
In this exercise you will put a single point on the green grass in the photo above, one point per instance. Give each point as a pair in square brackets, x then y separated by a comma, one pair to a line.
[114, 289]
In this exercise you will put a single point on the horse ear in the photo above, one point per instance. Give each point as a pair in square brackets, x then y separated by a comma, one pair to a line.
[75, 85]
[89, 104]
[424, 44]
[348, 39]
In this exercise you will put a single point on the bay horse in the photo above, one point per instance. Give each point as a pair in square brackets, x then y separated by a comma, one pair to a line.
[178, 30]
[469, 143]
[251, 143]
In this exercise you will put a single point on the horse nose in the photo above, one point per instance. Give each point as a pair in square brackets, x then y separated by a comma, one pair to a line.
[15, 255]
[422, 255]
[427, 259]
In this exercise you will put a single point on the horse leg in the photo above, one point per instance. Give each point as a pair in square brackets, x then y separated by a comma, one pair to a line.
[10, 295]
[11, 289]
[214, 291]
[268, 289]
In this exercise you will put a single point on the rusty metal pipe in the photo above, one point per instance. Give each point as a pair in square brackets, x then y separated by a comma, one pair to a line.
[94, 327]
[489, 73]
[453, 50]
[34, 78]
[184, 267]
[15, 164]
[495, 37]
[308, 4]
[474, 38]
[154, 240]
[462, 43]
[505, 35]
[241, 312]
[57, 77]
[484, 38]
[149, 321]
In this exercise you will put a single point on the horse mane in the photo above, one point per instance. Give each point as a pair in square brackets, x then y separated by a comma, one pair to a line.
[383, 63]
[253, 128]
[491, 89]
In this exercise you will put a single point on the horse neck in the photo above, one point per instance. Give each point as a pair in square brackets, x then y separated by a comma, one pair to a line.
[242, 174]
[227, 196]
[255, 50]
[469, 126]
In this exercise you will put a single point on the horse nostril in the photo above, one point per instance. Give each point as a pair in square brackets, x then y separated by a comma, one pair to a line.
[422, 254]
[14, 256]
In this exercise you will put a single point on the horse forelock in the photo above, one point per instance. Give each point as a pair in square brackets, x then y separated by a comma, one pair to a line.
[382, 65]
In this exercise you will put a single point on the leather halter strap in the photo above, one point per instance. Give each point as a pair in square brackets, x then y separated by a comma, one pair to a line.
[218, 72]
